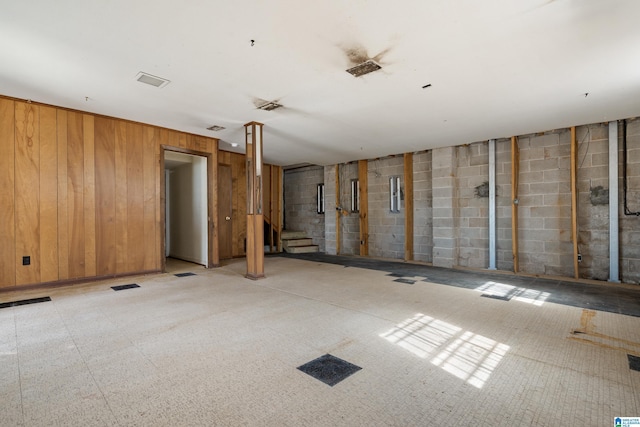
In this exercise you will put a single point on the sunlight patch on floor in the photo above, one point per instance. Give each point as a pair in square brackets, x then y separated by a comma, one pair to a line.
[464, 354]
[529, 296]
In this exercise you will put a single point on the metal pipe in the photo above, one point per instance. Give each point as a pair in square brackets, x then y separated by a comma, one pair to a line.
[614, 247]
[492, 204]
[624, 169]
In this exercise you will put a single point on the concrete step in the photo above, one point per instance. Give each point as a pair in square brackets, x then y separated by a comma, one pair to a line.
[290, 243]
[290, 234]
[302, 249]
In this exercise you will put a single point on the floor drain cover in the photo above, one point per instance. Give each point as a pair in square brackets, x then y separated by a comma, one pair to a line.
[329, 369]
[123, 287]
[184, 274]
[634, 362]
[24, 302]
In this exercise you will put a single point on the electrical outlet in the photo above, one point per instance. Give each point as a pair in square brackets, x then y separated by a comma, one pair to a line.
[26, 260]
[579, 257]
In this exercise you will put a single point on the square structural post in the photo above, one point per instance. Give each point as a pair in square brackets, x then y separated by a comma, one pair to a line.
[255, 216]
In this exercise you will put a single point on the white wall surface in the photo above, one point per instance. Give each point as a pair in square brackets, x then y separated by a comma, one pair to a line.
[188, 211]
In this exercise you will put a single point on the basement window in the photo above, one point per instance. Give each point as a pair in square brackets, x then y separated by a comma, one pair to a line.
[355, 196]
[394, 194]
[320, 199]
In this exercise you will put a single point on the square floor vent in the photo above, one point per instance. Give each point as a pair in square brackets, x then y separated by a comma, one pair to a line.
[151, 80]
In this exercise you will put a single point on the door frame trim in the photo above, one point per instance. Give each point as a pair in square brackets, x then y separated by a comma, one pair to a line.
[212, 211]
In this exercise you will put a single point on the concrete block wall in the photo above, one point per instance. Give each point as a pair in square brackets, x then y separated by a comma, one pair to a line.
[445, 207]
[349, 221]
[504, 242]
[450, 211]
[472, 181]
[422, 207]
[330, 210]
[544, 208]
[593, 200]
[300, 210]
[630, 224]
[386, 228]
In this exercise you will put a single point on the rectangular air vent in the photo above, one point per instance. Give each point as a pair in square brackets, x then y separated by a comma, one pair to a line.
[151, 80]
[364, 68]
[216, 128]
[269, 106]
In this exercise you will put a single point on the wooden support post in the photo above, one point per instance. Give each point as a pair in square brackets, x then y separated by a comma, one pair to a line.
[408, 206]
[515, 170]
[255, 214]
[364, 206]
[338, 209]
[574, 201]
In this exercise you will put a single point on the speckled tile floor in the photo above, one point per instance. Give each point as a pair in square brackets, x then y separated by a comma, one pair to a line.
[218, 349]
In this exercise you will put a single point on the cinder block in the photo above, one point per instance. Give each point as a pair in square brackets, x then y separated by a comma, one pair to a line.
[557, 199]
[442, 242]
[545, 140]
[542, 165]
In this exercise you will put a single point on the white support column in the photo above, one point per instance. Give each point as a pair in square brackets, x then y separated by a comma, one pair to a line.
[492, 204]
[614, 248]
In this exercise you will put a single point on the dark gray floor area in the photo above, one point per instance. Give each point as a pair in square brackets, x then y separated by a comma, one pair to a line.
[605, 297]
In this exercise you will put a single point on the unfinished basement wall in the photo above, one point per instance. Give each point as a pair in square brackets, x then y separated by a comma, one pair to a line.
[330, 209]
[504, 242]
[593, 200]
[544, 204]
[349, 221]
[422, 207]
[472, 180]
[386, 228]
[630, 224]
[451, 209]
[300, 195]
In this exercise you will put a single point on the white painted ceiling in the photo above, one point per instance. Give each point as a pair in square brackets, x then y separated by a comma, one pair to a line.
[497, 68]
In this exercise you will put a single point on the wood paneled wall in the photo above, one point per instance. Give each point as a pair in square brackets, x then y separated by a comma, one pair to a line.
[80, 193]
[272, 197]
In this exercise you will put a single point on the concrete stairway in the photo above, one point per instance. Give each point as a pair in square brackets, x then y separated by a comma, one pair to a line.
[297, 242]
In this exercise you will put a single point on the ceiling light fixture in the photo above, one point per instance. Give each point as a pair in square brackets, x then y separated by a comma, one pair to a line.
[269, 106]
[234, 144]
[159, 82]
[216, 128]
[364, 68]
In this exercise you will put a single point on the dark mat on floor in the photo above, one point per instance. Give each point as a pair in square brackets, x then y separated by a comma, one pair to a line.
[610, 298]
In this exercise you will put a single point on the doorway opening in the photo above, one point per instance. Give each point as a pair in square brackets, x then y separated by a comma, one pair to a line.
[186, 210]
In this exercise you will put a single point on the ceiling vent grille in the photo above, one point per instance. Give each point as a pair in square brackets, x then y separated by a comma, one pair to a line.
[269, 106]
[216, 128]
[364, 68]
[143, 77]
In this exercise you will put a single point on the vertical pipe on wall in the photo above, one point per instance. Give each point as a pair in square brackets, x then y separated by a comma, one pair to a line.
[515, 170]
[338, 209]
[574, 201]
[363, 207]
[614, 248]
[492, 204]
